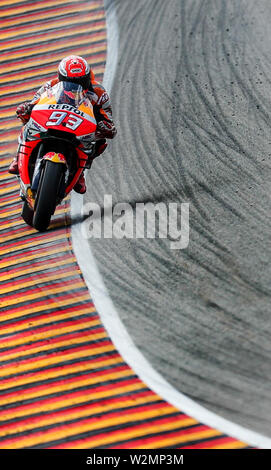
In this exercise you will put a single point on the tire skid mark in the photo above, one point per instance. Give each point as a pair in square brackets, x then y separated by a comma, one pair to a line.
[192, 100]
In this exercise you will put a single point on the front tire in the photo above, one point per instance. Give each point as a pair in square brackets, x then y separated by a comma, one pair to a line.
[27, 214]
[47, 194]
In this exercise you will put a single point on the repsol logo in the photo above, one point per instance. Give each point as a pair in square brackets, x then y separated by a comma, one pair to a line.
[67, 107]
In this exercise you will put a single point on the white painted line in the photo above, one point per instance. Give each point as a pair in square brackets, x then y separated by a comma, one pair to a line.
[112, 44]
[108, 313]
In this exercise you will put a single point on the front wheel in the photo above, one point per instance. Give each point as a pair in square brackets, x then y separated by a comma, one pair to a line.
[27, 214]
[48, 194]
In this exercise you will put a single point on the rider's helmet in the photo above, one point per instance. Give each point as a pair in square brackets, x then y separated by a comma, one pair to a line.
[75, 69]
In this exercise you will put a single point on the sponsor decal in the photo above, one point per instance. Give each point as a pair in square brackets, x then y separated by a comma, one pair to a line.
[76, 71]
[67, 107]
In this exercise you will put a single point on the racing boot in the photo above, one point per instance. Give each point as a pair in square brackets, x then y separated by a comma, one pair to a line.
[13, 167]
[80, 186]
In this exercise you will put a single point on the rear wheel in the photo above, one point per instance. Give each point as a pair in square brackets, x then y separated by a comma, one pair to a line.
[48, 194]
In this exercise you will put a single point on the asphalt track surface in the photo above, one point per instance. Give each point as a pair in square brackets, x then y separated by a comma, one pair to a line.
[191, 101]
[63, 382]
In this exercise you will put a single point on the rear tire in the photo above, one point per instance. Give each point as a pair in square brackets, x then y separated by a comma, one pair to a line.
[48, 194]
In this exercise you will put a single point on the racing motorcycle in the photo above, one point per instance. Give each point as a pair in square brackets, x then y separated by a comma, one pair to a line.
[55, 146]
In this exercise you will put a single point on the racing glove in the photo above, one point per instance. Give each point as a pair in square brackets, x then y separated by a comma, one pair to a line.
[105, 130]
[23, 111]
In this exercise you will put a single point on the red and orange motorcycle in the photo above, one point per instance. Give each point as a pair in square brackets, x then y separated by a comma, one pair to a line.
[55, 146]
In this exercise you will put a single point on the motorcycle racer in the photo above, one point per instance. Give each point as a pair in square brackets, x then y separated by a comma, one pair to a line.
[76, 69]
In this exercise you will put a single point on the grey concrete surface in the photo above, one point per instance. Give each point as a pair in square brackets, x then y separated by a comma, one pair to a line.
[192, 101]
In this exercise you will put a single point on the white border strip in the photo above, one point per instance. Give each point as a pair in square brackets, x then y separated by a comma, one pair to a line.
[108, 313]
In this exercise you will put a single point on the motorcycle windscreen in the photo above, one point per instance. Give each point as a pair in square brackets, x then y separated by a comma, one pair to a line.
[69, 93]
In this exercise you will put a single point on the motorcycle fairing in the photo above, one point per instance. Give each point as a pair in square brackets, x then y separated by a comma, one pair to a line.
[48, 114]
[75, 116]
